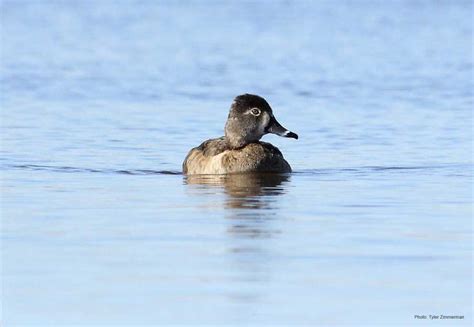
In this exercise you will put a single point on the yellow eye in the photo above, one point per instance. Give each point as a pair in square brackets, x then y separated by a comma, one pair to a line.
[255, 111]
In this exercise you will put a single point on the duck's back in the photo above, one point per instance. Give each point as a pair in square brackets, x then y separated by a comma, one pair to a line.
[214, 156]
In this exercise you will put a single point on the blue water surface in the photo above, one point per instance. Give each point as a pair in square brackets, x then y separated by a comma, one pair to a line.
[101, 100]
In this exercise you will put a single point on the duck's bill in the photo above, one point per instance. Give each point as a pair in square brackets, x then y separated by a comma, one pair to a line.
[274, 127]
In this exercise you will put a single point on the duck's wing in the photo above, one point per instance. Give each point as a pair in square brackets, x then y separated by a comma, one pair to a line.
[272, 160]
[270, 148]
[198, 158]
[255, 157]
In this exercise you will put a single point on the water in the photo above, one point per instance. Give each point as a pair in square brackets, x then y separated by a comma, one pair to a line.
[102, 100]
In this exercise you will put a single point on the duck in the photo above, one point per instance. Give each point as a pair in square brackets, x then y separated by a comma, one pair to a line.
[240, 149]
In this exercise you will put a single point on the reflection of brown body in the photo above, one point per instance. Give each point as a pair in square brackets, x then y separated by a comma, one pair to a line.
[251, 219]
[243, 190]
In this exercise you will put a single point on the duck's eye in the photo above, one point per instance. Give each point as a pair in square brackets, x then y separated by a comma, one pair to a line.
[255, 111]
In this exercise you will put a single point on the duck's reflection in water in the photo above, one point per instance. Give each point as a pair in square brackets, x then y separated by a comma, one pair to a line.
[250, 199]
[244, 190]
[252, 209]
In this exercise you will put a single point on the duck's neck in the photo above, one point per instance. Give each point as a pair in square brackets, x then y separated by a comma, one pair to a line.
[236, 136]
[235, 141]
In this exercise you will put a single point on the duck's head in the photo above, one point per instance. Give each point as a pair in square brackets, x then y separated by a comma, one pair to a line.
[250, 118]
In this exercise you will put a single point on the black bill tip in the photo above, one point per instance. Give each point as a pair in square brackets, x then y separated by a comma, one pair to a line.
[291, 134]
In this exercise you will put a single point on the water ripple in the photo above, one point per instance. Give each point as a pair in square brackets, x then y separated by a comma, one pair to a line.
[67, 169]
[319, 171]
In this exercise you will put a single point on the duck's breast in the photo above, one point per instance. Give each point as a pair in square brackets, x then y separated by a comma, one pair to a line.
[206, 158]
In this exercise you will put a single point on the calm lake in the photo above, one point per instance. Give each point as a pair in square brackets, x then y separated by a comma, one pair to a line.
[101, 101]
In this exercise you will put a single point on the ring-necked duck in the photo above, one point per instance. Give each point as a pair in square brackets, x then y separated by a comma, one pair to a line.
[240, 150]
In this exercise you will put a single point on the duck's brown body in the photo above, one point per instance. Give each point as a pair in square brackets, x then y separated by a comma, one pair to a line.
[215, 156]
